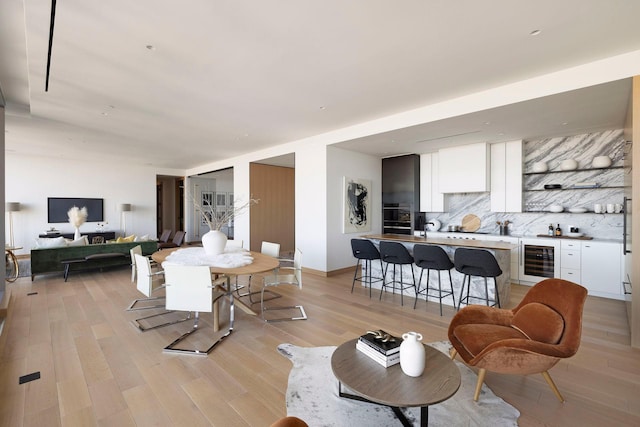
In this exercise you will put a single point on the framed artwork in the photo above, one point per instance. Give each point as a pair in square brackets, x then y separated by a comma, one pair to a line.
[220, 214]
[357, 205]
[230, 200]
[207, 200]
[221, 201]
[207, 206]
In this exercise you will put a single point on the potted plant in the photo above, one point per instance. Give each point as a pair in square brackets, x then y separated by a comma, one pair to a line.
[214, 241]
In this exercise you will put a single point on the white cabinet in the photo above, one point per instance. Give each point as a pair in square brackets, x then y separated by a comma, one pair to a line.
[506, 176]
[431, 198]
[602, 268]
[570, 260]
[464, 169]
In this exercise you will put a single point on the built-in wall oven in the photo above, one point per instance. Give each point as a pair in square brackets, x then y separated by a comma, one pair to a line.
[397, 219]
[539, 259]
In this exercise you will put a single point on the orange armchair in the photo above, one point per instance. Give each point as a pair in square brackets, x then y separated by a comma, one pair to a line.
[531, 338]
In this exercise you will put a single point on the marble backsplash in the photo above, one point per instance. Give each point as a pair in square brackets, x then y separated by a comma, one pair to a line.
[535, 218]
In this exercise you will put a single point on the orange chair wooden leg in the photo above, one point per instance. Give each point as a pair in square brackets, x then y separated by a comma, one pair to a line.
[547, 377]
[481, 375]
[453, 352]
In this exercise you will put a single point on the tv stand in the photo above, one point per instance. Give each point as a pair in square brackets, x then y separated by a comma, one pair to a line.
[107, 235]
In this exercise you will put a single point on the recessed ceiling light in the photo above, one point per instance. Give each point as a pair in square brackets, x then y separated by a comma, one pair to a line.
[150, 47]
[487, 123]
[535, 32]
[322, 107]
[104, 113]
[565, 123]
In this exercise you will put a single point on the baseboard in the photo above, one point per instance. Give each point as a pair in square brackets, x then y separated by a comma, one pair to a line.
[329, 273]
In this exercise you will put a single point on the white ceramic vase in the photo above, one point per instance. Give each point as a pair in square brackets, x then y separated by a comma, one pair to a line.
[412, 354]
[214, 242]
[76, 235]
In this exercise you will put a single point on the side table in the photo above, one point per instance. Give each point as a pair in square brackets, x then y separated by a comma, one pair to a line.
[390, 386]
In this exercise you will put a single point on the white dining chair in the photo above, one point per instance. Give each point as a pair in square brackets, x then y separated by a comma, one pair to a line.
[190, 288]
[148, 282]
[270, 249]
[283, 276]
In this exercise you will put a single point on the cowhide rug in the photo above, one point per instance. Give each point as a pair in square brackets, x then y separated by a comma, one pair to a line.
[312, 395]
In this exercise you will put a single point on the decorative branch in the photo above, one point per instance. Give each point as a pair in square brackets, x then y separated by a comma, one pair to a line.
[77, 216]
[208, 213]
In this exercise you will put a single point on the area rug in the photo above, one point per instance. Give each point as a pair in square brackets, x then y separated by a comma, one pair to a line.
[312, 395]
[24, 267]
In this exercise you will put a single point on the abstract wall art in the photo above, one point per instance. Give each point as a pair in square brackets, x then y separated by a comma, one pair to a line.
[357, 205]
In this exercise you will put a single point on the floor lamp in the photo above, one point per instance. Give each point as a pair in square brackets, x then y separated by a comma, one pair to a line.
[124, 207]
[12, 207]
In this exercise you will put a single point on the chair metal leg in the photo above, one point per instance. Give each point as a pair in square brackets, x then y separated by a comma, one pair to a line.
[171, 348]
[495, 284]
[132, 306]
[355, 275]
[453, 296]
[138, 325]
[251, 293]
[486, 291]
[303, 314]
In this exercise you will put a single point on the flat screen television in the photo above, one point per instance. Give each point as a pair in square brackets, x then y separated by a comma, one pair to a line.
[57, 208]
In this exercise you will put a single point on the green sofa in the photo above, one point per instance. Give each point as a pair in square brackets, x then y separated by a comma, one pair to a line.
[49, 260]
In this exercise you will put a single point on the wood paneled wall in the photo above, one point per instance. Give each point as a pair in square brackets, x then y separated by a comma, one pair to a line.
[273, 218]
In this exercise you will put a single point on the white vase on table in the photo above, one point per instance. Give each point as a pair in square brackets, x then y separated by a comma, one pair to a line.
[77, 235]
[412, 354]
[214, 242]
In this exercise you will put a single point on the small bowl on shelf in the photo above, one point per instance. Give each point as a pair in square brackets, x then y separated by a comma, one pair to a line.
[601, 162]
[556, 208]
[575, 234]
[540, 167]
[577, 210]
[568, 165]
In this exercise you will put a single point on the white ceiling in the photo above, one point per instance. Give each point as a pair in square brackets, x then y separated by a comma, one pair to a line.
[226, 78]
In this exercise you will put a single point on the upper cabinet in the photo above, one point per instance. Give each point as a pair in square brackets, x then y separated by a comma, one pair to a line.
[464, 169]
[431, 198]
[506, 176]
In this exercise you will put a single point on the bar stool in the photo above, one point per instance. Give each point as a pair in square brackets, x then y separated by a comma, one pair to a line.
[396, 254]
[477, 262]
[429, 257]
[364, 249]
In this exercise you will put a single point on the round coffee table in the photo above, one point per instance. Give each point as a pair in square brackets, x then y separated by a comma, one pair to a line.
[390, 386]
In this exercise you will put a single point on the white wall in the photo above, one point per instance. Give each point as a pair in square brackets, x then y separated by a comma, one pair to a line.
[311, 205]
[30, 180]
[341, 163]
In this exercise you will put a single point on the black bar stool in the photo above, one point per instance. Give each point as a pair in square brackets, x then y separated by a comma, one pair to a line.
[477, 262]
[429, 257]
[396, 254]
[365, 250]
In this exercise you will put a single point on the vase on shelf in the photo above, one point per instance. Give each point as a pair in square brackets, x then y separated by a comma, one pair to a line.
[76, 235]
[412, 354]
[214, 242]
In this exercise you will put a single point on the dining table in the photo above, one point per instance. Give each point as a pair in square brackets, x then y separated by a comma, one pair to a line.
[223, 271]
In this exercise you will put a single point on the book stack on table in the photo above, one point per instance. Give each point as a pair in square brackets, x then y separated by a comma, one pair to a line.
[381, 347]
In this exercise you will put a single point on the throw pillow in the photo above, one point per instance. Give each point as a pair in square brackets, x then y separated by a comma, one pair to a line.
[127, 239]
[47, 243]
[143, 238]
[539, 322]
[82, 241]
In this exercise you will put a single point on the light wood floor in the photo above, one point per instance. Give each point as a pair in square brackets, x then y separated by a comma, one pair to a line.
[97, 369]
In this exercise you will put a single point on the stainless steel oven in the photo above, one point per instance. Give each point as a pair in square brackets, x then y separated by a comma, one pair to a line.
[539, 259]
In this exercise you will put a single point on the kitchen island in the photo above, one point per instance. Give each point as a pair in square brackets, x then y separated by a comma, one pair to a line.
[501, 251]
